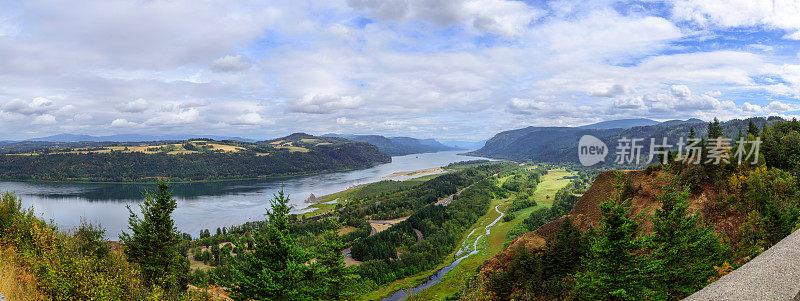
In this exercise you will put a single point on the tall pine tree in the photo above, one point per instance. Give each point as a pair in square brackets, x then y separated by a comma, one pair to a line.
[752, 128]
[153, 242]
[681, 247]
[714, 129]
[337, 280]
[562, 258]
[612, 270]
[278, 268]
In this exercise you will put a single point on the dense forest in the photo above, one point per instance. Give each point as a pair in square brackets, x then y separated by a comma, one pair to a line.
[192, 160]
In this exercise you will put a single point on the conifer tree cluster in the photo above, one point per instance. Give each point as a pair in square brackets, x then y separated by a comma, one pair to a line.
[153, 242]
[279, 269]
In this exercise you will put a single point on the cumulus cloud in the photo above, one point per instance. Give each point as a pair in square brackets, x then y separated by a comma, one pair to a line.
[751, 108]
[44, 119]
[38, 105]
[734, 13]
[777, 106]
[680, 91]
[252, 119]
[230, 64]
[611, 91]
[629, 103]
[175, 118]
[323, 104]
[507, 18]
[123, 123]
[486, 63]
[134, 106]
[540, 106]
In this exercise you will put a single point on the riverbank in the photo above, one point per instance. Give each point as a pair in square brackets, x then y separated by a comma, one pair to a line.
[419, 172]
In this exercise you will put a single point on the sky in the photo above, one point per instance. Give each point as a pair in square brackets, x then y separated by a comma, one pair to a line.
[447, 69]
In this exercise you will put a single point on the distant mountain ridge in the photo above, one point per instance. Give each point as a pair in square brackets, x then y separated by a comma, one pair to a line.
[465, 145]
[129, 138]
[398, 146]
[559, 144]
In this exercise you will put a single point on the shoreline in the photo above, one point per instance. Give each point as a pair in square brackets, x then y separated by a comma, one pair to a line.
[418, 172]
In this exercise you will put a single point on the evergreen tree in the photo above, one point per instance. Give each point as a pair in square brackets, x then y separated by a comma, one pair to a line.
[681, 247]
[752, 128]
[337, 279]
[276, 269]
[611, 270]
[153, 242]
[691, 133]
[714, 129]
[562, 257]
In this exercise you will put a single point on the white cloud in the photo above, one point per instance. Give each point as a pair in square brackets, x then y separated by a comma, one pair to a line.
[629, 103]
[507, 18]
[792, 36]
[777, 106]
[123, 123]
[324, 104]
[252, 119]
[680, 91]
[751, 108]
[182, 117]
[486, 63]
[733, 13]
[134, 106]
[44, 119]
[230, 64]
[38, 105]
[611, 91]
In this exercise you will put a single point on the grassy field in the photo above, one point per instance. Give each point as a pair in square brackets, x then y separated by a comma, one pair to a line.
[551, 183]
[456, 279]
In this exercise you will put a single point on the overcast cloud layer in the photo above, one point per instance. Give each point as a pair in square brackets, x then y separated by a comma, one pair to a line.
[456, 69]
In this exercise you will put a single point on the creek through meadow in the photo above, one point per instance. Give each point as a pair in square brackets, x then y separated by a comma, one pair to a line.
[436, 277]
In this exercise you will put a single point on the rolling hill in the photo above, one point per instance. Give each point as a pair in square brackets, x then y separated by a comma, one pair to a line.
[187, 160]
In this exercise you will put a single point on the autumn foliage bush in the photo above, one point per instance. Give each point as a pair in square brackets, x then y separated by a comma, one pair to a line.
[64, 266]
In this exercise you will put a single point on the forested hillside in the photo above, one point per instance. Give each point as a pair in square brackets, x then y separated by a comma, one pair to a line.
[191, 160]
[560, 144]
[660, 233]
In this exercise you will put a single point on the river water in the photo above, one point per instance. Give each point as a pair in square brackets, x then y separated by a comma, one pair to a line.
[201, 205]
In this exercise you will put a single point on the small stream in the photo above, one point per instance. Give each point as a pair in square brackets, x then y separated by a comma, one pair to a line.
[438, 275]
